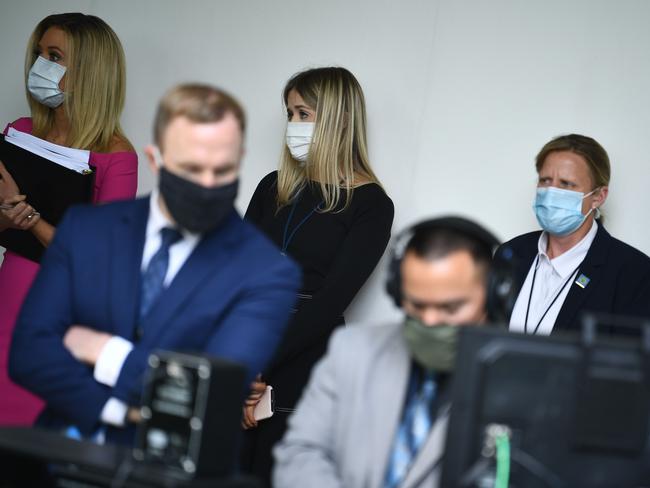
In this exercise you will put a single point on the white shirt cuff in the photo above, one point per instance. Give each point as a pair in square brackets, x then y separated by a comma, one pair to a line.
[110, 360]
[114, 412]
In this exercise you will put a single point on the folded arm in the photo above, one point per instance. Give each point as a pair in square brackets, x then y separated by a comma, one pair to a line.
[247, 331]
[38, 359]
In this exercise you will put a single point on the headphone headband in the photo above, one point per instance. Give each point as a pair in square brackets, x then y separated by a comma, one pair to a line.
[460, 225]
[500, 280]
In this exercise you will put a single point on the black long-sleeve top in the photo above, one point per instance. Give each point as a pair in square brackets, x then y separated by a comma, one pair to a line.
[336, 250]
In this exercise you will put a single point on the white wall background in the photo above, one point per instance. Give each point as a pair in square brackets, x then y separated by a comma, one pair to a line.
[461, 94]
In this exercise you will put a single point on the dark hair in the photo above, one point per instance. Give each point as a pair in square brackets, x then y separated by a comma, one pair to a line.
[437, 238]
[437, 242]
[199, 103]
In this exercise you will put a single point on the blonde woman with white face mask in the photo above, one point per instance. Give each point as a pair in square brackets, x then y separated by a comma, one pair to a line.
[75, 84]
[326, 209]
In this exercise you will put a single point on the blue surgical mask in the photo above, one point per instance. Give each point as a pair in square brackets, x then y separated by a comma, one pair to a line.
[43, 82]
[559, 211]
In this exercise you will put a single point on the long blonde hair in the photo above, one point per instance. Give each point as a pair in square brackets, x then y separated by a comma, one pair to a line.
[95, 83]
[338, 152]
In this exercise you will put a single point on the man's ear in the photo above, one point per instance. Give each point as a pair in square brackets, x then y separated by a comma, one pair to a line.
[601, 196]
[152, 154]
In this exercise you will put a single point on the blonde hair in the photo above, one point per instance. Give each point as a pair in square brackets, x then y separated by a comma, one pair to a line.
[593, 153]
[95, 81]
[199, 103]
[338, 151]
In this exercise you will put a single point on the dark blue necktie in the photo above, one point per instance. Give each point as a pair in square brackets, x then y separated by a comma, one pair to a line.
[154, 276]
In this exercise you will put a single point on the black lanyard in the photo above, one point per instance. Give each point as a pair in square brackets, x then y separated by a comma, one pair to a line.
[530, 296]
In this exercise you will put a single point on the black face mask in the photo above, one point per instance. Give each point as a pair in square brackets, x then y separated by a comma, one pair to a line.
[194, 207]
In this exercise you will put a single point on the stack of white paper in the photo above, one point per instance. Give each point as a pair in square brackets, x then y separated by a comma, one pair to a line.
[74, 159]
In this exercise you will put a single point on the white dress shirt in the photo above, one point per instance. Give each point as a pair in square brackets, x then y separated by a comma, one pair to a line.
[553, 279]
[110, 361]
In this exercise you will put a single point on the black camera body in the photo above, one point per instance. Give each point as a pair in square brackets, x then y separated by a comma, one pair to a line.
[191, 414]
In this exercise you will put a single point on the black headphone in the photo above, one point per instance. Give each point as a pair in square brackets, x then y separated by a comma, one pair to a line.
[501, 293]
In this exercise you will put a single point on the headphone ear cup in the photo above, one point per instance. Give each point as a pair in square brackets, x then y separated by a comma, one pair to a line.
[393, 281]
[501, 293]
[394, 278]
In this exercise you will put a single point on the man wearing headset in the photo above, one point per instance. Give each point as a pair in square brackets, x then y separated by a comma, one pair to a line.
[375, 411]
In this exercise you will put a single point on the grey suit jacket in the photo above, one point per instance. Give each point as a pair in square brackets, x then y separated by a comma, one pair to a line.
[343, 429]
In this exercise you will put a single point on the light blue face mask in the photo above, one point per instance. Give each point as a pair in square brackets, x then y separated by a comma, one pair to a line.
[43, 82]
[558, 211]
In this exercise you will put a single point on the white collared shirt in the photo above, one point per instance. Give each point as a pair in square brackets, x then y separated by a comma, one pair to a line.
[178, 252]
[553, 280]
[110, 361]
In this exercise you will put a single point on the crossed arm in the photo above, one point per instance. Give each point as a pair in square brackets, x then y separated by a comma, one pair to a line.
[51, 357]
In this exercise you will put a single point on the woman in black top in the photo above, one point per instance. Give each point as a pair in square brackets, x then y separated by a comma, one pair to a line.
[327, 210]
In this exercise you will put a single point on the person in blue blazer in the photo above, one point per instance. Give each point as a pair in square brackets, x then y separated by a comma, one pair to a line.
[178, 270]
[574, 265]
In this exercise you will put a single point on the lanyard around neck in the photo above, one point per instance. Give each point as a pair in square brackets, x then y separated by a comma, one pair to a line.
[288, 236]
[557, 295]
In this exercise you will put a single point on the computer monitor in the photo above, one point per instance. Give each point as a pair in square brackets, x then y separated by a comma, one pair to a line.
[555, 411]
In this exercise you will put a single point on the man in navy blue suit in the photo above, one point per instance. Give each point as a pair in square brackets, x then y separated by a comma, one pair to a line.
[178, 270]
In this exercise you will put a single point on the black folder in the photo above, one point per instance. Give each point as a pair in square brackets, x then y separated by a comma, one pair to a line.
[50, 188]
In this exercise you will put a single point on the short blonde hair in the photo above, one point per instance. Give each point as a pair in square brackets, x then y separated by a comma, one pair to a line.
[95, 86]
[339, 148]
[199, 103]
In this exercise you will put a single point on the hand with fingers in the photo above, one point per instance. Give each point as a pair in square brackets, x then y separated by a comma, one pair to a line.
[15, 212]
[258, 387]
[85, 343]
[8, 186]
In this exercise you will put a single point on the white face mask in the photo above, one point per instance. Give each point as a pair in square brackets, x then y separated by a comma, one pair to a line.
[299, 135]
[43, 82]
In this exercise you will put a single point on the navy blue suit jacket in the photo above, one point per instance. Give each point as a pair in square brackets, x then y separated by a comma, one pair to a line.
[619, 278]
[231, 298]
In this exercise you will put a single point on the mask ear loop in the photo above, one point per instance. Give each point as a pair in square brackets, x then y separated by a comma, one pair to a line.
[597, 209]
